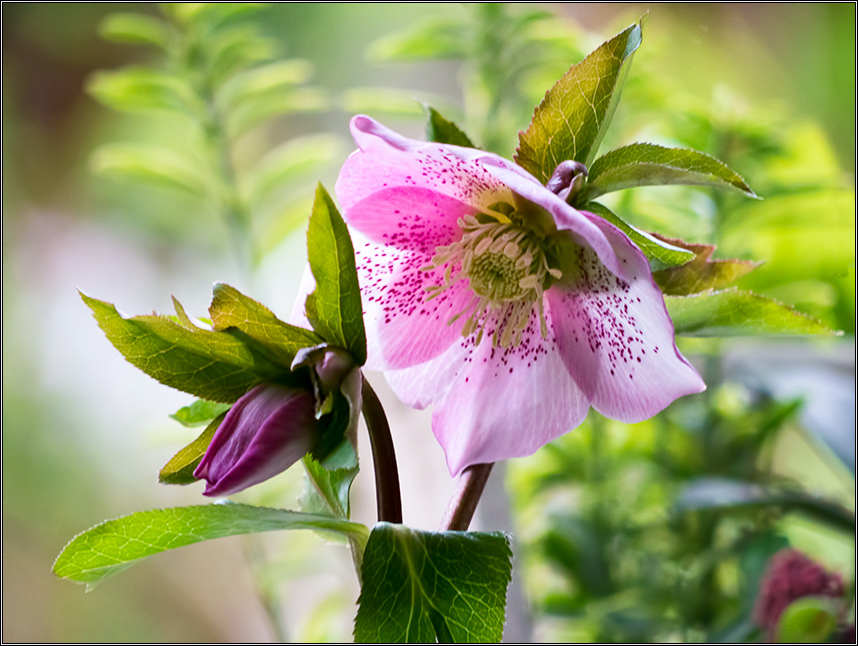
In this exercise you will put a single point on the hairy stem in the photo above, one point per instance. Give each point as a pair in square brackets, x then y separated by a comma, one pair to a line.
[387, 496]
[469, 487]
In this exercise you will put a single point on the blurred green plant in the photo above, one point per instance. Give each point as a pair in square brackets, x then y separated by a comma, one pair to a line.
[221, 79]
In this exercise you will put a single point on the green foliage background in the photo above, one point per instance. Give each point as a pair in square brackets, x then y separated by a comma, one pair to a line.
[769, 89]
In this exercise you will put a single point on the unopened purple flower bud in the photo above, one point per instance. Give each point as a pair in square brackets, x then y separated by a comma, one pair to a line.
[265, 432]
[567, 180]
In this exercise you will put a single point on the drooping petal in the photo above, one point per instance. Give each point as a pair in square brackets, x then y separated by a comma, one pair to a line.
[264, 433]
[616, 338]
[386, 159]
[404, 329]
[507, 402]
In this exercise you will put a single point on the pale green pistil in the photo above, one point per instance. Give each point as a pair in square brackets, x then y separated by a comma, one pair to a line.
[507, 272]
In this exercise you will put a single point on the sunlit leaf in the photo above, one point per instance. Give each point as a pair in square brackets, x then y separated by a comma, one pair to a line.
[660, 254]
[218, 366]
[702, 273]
[134, 89]
[334, 308]
[150, 164]
[427, 587]
[259, 108]
[651, 165]
[135, 28]
[382, 101]
[236, 48]
[263, 79]
[180, 469]
[232, 309]
[571, 121]
[289, 162]
[732, 312]
[423, 40]
[115, 545]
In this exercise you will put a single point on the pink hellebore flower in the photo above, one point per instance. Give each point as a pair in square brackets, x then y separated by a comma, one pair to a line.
[265, 432]
[490, 297]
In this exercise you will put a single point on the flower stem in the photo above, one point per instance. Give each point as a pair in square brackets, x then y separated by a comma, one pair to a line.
[387, 496]
[463, 503]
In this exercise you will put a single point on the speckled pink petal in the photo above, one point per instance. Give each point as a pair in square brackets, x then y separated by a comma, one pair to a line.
[507, 403]
[403, 329]
[616, 338]
[386, 159]
[417, 219]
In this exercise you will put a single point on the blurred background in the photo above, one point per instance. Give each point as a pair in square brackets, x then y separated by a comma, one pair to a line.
[151, 156]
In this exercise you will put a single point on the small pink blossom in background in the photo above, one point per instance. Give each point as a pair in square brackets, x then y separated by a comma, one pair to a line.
[791, 575]
[264, 433]
[490, 297]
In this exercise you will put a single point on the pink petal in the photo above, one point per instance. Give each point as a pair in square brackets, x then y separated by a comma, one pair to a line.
[406, 217]
[616, 338]
[386, 159]
[507, 403]
[403, 329]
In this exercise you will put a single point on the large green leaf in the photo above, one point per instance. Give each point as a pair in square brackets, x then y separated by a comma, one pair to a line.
[426, 587]
[732, 312]
[218, 366]
[571, 121]
[232, 309]
[702, 273]
[651, 165]
[334, 308]
[115, 545]
[136, 28]
[661, 254]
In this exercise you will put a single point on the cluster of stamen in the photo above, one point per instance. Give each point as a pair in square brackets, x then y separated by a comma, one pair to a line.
[507, 271]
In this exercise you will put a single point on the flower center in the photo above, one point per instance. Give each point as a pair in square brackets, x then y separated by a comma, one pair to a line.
[507, 271]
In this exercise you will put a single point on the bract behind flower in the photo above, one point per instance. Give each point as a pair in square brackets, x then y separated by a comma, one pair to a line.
[490, 297]
[264, 433]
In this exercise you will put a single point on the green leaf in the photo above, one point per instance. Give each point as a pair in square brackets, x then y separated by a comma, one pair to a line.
[445, 132]
[330, 482]
[809, 620]
[381, 100]
[198, 413]
[426, 587]
[218, 366]
[150, 164]
[701, 273]
[571, 121]
[651, 165]
[236, 48]
[257, 109]
[424, 40]
[180, 469]
[135, 28]
[661, 254]
[115, 545]
[731, 312]
[262, 79]
[290, 162]
[334, 308]
[134, 89]
[232, 309]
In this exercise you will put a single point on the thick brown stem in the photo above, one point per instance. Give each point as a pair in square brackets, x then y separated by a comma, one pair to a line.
[387, 496]
[463, 503]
